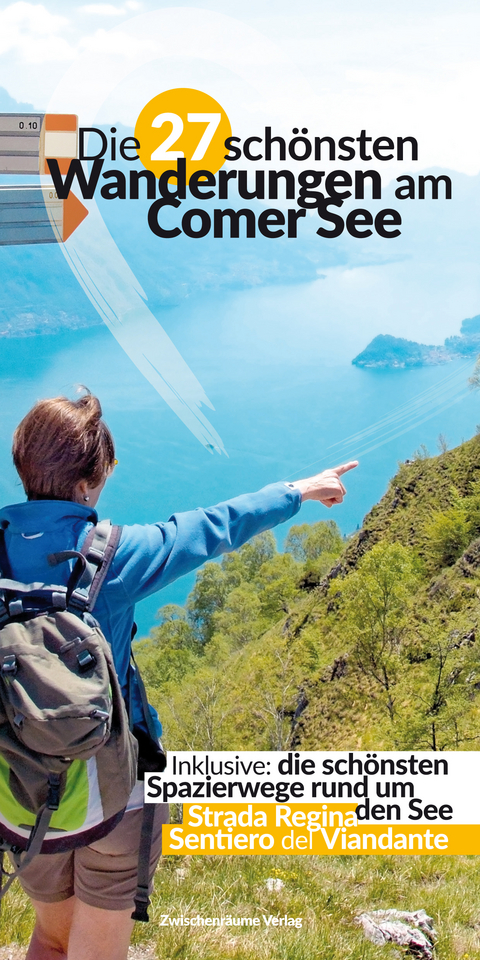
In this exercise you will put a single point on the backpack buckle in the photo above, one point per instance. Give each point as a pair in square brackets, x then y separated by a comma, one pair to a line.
[78, 600]
[86, 661]
[53, 798]
[15, 608]
[96, 556]
[9, 666]
[142, 903]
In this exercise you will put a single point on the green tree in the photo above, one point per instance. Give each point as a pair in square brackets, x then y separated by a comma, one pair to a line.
[275, 701]
[277, 583]
[446, 535]
[239, 620]
[244, 564]
[471, 505]
[199, 713]
[308, 541]
[216, 580]
[206, 599]
[441, 714]
[171, 651]
[474, 380]
[377, 597]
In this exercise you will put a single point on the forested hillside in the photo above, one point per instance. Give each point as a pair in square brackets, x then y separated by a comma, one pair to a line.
[366, 643]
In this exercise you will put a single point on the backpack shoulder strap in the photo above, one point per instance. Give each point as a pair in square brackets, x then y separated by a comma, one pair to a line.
[99, 550]
[142, 899]
[147, 716]
[105, 542]
[5, 571]
[5, 568]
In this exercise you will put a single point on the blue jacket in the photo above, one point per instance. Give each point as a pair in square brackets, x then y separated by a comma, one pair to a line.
[148, 557]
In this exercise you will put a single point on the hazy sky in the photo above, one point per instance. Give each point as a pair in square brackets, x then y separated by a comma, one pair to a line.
[336, 65]
[409, 68]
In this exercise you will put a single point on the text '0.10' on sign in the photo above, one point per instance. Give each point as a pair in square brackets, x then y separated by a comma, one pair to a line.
[28, 140]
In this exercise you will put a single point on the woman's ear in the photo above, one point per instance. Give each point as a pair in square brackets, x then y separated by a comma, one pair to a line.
[84, 493]
[81, 492]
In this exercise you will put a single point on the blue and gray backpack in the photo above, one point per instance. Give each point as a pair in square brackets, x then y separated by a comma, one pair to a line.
[68, 752]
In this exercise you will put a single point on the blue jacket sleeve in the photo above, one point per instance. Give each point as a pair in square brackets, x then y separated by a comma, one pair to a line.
[151, 556]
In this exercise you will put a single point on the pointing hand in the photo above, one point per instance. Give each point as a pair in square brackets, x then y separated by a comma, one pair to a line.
[327, 486]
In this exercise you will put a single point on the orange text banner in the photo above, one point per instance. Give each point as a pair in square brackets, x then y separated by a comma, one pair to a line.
[253, 829]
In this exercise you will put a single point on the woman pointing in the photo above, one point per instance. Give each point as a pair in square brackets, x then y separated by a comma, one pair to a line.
[64, 454]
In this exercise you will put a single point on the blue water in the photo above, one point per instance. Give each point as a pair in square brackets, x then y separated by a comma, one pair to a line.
[276, 364]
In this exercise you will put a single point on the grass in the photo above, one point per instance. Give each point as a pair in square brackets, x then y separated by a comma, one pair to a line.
[327, 892]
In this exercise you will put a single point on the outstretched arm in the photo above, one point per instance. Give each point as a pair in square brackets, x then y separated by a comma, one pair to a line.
[151, 556]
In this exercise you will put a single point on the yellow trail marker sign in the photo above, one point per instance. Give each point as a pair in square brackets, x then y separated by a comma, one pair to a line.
[27, 140]
[34, 214]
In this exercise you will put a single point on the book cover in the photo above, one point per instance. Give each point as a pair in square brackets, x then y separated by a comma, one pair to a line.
[253, 233]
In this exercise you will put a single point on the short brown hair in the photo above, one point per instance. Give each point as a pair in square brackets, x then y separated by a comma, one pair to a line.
[59, 443]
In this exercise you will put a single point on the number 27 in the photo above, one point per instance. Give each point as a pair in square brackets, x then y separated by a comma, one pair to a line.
[163, 151]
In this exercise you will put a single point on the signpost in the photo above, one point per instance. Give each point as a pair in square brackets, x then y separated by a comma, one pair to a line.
[28, 139]
[34, 214]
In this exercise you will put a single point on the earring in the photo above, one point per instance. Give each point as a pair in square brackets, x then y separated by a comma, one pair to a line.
[86, 499]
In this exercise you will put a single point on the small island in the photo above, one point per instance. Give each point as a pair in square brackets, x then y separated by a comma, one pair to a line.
[385, 351]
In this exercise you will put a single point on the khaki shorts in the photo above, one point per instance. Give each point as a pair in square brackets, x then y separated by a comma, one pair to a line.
[104, 874]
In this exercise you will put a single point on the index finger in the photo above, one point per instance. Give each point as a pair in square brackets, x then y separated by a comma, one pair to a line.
[345, 467]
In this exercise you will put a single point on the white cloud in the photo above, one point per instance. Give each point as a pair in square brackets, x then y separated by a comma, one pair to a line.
[34, 33]
[101, 10]
[35, 17]
[37, 35]
[109, 10]
[116, 42]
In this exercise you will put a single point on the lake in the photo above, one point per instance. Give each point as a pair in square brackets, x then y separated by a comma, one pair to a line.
[276, 364]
